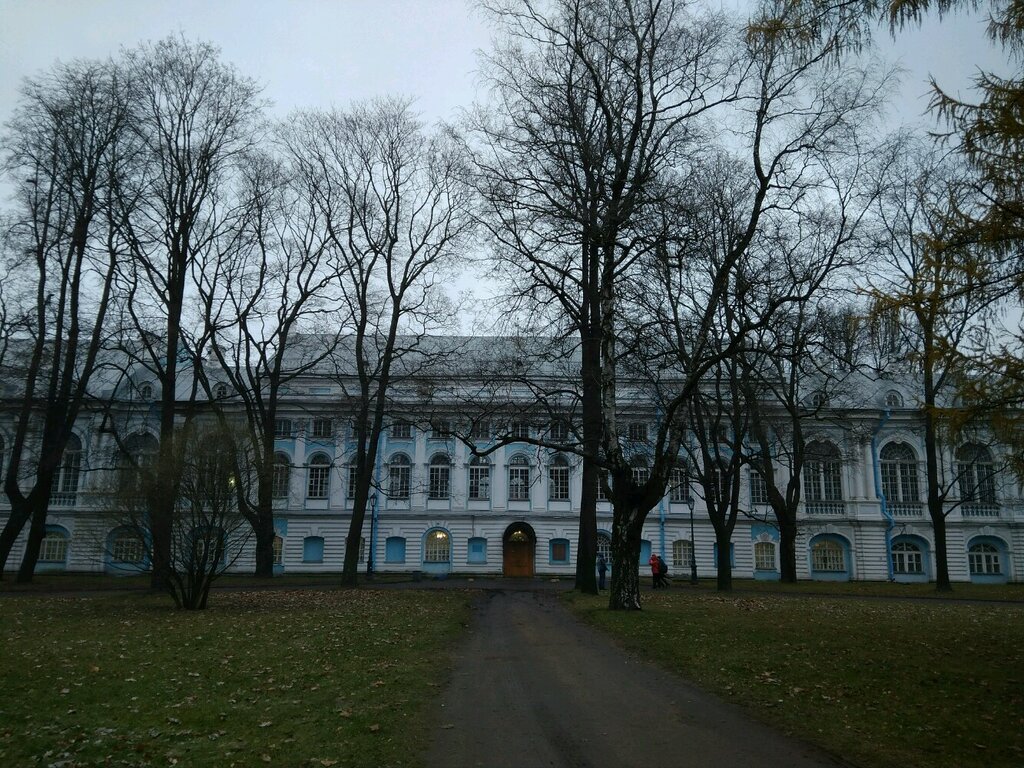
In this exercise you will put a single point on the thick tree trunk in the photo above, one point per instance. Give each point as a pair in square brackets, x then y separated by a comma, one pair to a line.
[787, 549]
[264, 533]
[36, 533]
[586, 552]
[724, 581]
[624, 592]
[20, 515]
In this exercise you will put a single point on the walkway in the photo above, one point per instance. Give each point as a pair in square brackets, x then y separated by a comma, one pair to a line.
[534, 687]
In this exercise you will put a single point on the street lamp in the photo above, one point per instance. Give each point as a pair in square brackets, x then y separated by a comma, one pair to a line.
[373, 531]
[693, 543]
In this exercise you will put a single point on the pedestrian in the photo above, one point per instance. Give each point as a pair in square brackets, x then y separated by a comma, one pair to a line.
[662, 572]
[653, 562]
[602, 569]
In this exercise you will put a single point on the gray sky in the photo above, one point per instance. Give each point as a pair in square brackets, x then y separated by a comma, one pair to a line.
[322, 52]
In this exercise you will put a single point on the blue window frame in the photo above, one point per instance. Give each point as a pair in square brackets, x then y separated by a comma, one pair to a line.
[559, 551]
[313, 549]
[477, 550]
[394, 550]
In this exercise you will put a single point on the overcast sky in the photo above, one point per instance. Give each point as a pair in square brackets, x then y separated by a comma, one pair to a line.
[323, 52]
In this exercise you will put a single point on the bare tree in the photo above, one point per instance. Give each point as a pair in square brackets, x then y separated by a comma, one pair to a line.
[65, 149]
[277, 288]
[396, 208]
[195, 120]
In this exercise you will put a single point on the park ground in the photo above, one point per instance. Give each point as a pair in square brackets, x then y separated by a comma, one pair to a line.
[303, 674]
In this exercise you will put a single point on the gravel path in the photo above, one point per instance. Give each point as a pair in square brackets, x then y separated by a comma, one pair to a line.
[534, 687]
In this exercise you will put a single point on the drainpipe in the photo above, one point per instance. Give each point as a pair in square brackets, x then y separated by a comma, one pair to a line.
[890, 523]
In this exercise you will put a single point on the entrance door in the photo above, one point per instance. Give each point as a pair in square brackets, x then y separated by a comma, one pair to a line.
[518, 551]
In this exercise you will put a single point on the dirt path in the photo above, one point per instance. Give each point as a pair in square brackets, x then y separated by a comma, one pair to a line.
[533, 687]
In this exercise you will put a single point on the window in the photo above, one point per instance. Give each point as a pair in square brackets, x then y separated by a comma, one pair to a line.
[401, 430]
[638, 432]
[353, 478]
[518, 479]
[976, 473]
[604, 547]
[893, 399]
[480, 430]
[907, 558]
[641, 474]
[819, 399]
[558, 430]
[520, 429]
[54, 547]
[146, 392]
[899, 474]
[718, 485]
[680, 490]
[208, 548]
[983, 559]
[319, 477]
[278, 550]
[682, 553]
[313, 549]
[440, 471]
[281, 479]
[220, 390]
[283, 428]
[558, 479]
[323, 427]
[603, 479]
[822, 472]
[127, 547]
[477, 550]
[394, 549]
[437, 547]
[362, 550]
[828, 555]
[479, 478]
[138, 453]
[65, 484]
[758, 488]
[398, 477]
[441, 430]
[764, 556]
[560, 551]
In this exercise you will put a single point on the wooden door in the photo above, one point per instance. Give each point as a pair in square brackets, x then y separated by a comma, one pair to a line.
[518, 558]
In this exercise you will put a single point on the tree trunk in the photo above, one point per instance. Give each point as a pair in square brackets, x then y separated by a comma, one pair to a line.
[264, 532]
[586, 548]
[36, 533]
[723, 540]
[624, 592]
[787, 549]
[20, 514]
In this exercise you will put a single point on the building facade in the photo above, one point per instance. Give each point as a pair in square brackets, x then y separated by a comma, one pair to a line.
[439, 509]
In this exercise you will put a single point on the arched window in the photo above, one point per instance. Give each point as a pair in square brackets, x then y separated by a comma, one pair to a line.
[907, 558]
[518, 479]
[976, 473]
[604, 546]
[823, 485]
[278, 550]
[65, 484]
[899, 478]
[682, 553]
[220, 390]
[558, 479]
[138, 454]
[54, 547]
[479, 478]
[281, 476]
[439, 476]
[127, 546]
[764, 556]
[984, 559]
[398, 476]
[437, 547]
[828, 556]
[893, 399]
[319, 477]
[146, 392]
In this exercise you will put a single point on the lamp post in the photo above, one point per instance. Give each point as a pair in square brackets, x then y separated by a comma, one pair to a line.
[693, 544]
[373, 531]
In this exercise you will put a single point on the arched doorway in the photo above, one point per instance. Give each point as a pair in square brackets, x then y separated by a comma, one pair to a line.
[518, 546]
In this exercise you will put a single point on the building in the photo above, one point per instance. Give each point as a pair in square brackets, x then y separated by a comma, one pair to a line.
[441, 510]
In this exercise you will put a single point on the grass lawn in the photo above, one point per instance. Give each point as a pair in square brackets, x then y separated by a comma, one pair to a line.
[290, 677]
[882, 682]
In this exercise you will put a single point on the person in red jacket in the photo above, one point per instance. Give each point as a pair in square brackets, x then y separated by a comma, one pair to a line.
[655, 576]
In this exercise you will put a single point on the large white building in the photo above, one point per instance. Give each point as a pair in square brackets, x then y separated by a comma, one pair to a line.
[440, 510]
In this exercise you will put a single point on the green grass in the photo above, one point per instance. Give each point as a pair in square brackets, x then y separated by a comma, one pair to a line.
[292, 677]
[961, 591]
[881, 682]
